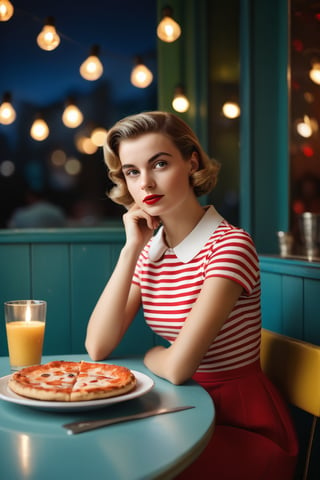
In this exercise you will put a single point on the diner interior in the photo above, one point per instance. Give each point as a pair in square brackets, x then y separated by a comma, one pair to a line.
[248, 76]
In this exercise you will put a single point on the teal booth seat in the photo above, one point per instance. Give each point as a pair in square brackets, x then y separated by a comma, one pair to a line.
[68, 268]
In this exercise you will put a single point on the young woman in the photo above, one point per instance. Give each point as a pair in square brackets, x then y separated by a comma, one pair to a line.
[198, 280]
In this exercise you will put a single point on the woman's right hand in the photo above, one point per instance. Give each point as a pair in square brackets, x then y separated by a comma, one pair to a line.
[139, 226]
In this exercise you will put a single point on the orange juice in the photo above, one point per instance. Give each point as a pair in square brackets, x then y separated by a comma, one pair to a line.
[25, 341]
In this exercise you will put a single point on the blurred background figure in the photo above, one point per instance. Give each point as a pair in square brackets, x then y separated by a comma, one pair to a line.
[37, 213]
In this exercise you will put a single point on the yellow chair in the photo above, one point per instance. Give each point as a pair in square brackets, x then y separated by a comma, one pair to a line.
[294, 367]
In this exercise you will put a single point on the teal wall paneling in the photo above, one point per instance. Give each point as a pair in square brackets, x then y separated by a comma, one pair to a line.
[312, 311]
[290, 297]
[90, 269]
[292, 305]
[50, 281]
[15, 275]
[271, 301]
[92, 266]
[137, 339]
[15, 270]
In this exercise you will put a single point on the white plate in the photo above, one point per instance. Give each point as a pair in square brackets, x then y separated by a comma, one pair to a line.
[144, 384]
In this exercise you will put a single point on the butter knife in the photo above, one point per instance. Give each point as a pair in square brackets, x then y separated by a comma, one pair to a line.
[85, 426]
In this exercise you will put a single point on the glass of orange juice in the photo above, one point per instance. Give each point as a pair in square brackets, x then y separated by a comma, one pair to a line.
[25, 327]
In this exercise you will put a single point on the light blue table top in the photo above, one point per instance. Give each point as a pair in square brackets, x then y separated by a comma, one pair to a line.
[34, 445]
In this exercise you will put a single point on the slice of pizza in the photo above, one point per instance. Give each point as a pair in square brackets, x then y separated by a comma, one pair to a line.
[51, 381]
[99, 380]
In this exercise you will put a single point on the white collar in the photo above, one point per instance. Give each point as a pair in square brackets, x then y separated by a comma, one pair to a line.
[193, 243]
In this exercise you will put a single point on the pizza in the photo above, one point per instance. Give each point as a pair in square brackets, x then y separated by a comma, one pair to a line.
[64, 381]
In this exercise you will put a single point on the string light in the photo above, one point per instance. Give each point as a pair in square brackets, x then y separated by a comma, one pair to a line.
[98, 136]
[48, 39]
[141, 76]
[168, 29]
[92, 69]
[231, 110]
[84, 143]
[314, 73]
[7, 112]
[39, 130]
[72, 117]
[307, 126]
[6, 10]
[73, 166]
[180, 103]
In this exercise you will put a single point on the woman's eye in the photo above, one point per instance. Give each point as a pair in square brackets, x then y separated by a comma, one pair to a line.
[131, 173]
[160, 164]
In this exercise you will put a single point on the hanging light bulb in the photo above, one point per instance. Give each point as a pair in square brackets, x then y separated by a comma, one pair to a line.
[48, 39]
[307, 126]
[39, 130]
[141, 76]
[180, 103]
[6, 10]
[231, 110]
[72, 116]
[98, 136]
[7, 112]
[168, 29]
[92, 68]
[314, 73]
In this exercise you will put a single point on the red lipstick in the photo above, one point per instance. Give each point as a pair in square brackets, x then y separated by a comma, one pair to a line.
[152, 199]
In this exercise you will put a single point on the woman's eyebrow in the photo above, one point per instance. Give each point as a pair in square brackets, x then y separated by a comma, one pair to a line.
[151, 159]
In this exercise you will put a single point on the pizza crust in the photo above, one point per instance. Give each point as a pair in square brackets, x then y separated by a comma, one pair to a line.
[38, 394]
[83, 395]
[72, 381]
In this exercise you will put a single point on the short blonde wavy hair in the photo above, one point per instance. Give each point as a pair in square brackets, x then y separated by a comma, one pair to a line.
[182, 136]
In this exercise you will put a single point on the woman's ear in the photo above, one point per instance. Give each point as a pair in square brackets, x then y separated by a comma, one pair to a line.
[194, 162]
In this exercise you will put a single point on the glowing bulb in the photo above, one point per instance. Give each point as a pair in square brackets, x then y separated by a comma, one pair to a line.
[6, 10]
[314, 73]
[39, 130]
[92, 68]
[88, 146]
[58, 158]
[98, 136]
[168, 29]
[72, 116]
[141, 76]
[48, 39]
[7, 112]
[304, 130]
[307, 126]
[73, 166]
[231, 110]
[180, 103]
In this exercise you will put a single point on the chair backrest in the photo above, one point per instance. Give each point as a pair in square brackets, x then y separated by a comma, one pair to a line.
[294, 367]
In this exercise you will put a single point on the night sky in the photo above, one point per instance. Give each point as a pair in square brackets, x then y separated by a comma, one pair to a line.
[121, 28]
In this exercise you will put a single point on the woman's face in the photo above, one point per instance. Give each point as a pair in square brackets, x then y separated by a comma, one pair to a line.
[157, 176]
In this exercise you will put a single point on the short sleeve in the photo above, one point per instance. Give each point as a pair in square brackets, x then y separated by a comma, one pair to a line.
[136, 279]
[234, 256]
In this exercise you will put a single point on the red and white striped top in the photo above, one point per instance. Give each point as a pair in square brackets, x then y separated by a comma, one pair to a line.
[170, 283]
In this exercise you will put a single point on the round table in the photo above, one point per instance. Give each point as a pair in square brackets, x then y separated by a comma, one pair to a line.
[35, 446]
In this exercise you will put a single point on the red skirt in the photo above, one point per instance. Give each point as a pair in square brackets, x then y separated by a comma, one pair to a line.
[254, 438]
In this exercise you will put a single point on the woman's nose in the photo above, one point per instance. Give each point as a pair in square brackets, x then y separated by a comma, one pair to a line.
[146, 181]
